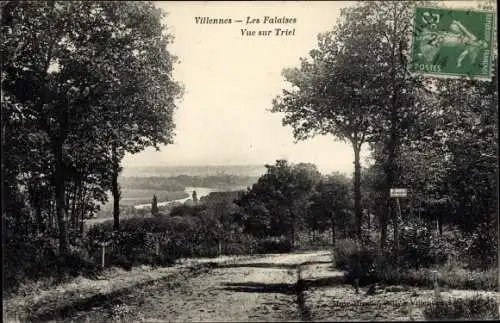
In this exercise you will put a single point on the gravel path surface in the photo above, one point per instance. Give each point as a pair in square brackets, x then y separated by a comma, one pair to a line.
[261, 289]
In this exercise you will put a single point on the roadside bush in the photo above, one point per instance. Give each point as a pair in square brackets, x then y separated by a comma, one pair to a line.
[424, 257]
[322, 240]
[126, 249]
[421, 247]
[481, 247]
[274, 245]
[342, 252]
[446, 248]
[361, 262]
[362, 266]
[415, 246]
[32, 257]
[476, 308]
[178, 236]
[424, 277]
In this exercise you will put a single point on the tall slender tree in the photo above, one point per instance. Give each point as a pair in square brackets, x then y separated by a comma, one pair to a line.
[355, 86]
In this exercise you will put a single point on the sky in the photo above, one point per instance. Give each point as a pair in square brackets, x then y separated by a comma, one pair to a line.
[230, 81]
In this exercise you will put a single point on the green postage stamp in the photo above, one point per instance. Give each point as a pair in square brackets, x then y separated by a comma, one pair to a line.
[452, 43]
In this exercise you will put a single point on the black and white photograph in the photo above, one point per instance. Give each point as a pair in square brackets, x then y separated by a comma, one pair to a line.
[249, 161]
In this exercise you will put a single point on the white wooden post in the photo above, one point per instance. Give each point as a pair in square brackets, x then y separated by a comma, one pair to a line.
[397, 193]
[398, 219]
[103, 255]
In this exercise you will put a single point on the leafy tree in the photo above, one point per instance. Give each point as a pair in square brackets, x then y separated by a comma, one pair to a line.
[142, 88]
[195, 197]
[44, 79]
[154, 206]
[325, 99]
[330, 204]
[355, 87]
[470, 124]
[67, 86]
[276, 204]
[222, 207]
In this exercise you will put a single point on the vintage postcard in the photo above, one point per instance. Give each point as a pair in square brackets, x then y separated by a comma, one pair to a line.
[234, 161]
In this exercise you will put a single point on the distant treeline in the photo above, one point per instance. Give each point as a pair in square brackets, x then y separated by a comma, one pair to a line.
[178, 183]
[204, 170]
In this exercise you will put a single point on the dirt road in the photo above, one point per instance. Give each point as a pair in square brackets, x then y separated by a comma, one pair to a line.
[262, 289]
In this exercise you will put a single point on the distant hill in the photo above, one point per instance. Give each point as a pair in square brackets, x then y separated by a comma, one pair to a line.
[170, 171]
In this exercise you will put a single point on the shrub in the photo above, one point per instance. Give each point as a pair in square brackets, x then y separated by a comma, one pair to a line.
[362, 266]
[274, 245]
[478, 308]
[481, 249]
[31, 257]
[179, 236]
[362, 262]
[342, 251]
[322, 240]
[415, 245]
[424, 277]
[446, 248]
[421, 247]
[243, 244]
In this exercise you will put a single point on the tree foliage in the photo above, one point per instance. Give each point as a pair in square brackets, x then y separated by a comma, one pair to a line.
[330, 205]
[84, 82]
[275, 205]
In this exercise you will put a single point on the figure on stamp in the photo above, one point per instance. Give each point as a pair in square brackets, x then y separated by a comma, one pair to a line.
[457, 36]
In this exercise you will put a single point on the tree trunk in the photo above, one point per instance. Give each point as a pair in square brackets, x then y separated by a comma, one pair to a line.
[81, 203]
[115, 190]
[60, 200]
[393, 143]
[358, 212]
[391, 173]
[333, 232]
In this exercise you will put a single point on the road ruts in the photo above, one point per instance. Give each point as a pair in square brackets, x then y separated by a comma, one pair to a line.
[263, 289]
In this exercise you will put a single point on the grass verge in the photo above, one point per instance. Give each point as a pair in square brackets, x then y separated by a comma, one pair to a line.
[475, 308]
[39, 301]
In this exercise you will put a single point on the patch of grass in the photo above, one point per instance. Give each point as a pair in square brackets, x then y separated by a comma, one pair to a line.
[457, 278]
[478, 308]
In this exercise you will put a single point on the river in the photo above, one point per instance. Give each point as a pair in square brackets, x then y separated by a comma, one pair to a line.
[200, 192]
